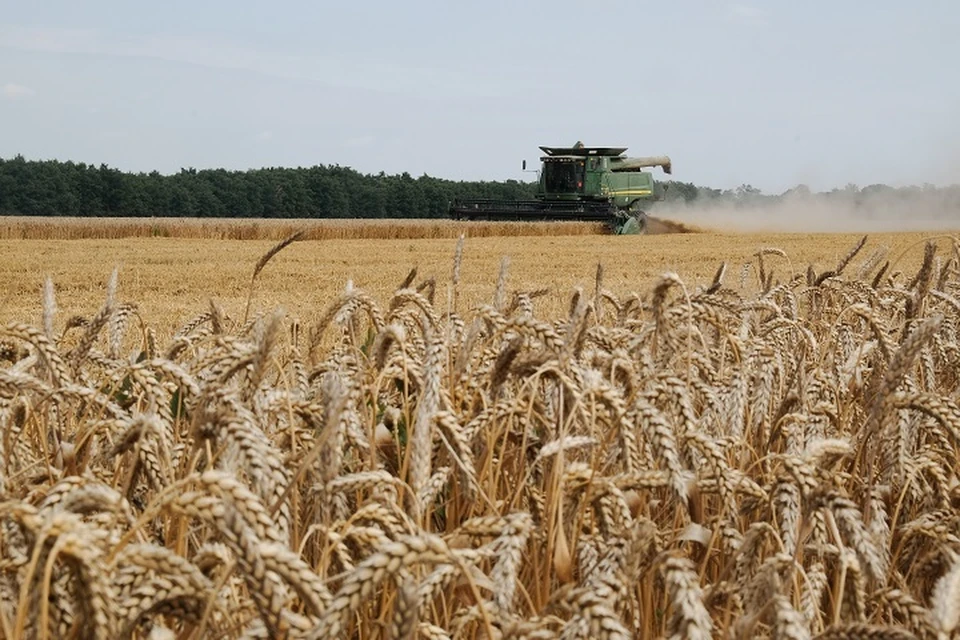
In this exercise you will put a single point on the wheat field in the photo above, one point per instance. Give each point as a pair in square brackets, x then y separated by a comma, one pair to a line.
[172, 279]
[700, 436]
[75, 228]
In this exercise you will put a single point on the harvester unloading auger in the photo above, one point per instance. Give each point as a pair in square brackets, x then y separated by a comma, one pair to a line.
[591, 184]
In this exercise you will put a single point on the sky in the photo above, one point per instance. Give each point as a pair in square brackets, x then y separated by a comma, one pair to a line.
[771, 94]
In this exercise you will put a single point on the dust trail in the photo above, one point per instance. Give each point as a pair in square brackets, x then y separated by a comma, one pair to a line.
[889, 210]
[657, 226]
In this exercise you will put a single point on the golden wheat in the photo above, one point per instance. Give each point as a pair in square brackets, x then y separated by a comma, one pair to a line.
[45, 228]
[776, 460]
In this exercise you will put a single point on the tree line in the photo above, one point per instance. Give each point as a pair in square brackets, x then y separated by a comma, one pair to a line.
[56, 188]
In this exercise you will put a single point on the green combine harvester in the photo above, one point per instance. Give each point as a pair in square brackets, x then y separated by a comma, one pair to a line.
[593, 184]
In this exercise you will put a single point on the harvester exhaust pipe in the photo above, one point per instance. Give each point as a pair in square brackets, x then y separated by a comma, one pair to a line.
[627, 164]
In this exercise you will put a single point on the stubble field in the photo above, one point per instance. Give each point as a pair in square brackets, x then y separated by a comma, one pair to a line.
[481, 449]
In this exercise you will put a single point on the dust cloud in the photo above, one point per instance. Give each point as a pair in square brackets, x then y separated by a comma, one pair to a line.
[843, 211]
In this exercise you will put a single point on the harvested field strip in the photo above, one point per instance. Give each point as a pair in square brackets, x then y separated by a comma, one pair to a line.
[779, 461]
[26, 228]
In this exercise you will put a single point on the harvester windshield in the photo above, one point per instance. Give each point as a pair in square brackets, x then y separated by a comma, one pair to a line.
[563, 176]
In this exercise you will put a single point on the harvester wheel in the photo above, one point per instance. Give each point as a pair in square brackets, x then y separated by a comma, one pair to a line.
[642, 219]
[634, 224]
[639, 215]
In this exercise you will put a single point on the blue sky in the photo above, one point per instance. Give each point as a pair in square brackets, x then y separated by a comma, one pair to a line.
[767, 93]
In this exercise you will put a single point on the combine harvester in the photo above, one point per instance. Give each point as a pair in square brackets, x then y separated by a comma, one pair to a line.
[587, 184]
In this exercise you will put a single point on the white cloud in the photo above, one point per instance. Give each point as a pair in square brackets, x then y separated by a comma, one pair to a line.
[360, 141]
[13, 91]
[223, 54]
[265, 136]
[748, 14]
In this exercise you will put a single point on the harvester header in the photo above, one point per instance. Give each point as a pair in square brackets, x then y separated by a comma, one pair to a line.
[599, 184]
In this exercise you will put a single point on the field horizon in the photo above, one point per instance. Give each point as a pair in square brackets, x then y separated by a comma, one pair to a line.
[749, 222]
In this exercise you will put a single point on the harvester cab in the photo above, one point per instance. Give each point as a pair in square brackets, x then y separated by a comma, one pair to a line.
[599, 184]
